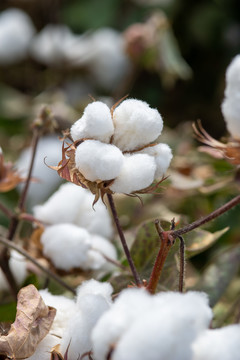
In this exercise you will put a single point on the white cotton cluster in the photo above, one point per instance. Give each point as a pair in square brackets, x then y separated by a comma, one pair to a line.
[43, 350]
[76, 235]
[218, 344]
[18, 267]
[231, 103]
[119, 146]
[141, 326]
[93, 299]
[16, 32]
[45, 180]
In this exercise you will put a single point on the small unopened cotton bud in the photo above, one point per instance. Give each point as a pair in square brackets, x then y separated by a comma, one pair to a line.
[98, 161]
[136, 124]
[66, 245]
[137, 173]
[95, 123]
[162, 155]
[231, 103]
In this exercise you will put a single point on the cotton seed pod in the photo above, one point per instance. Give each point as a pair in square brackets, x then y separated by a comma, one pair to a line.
[98, 161]
[96, 123]
[136, 124]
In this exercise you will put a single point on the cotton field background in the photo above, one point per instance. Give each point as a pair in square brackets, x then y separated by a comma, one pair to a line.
[119, 180]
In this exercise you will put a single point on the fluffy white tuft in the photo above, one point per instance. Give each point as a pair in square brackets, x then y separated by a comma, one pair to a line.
[43, 349]
[98, 161]
[18, 266]
[66, 245]
[136, 124]
[73, 204]
[101, 247]
[231, 103]
[137, 173]
[95, 123]
[218, 344]
[94, 287]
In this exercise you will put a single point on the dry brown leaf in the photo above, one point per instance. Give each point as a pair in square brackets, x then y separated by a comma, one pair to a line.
[32, 324]
[9, 177]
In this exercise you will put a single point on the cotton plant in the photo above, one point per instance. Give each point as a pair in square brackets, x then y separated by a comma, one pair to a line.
[75, 234]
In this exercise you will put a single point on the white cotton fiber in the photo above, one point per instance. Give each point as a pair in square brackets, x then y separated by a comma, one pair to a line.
[162, 155]
[43, 351]
[218, 344]
[16, 32]
[231, 103]
[99, 247]
[96, 123]
[65, 307]
[136, 124]
[94, 287]
[66, 245]
[18, 266]
[98, 161]
[73, 204]
[77, 334]
[137, 173]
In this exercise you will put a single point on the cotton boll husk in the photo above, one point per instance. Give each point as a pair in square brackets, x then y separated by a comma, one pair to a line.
[137, 173]
[130, 304]
[43, 349]
[48, 180]
[94, 287]
[18, 266]
[77, 334]
[66, 245]
[73, 204]
[16, 32]
[218, 344]
[98, 161]
[136, 124]
[162, 155]
[101, 246]
[95, 123]
[66, 308]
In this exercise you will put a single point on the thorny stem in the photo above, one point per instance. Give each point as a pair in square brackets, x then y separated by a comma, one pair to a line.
[11, 245]
[182, 264]
[123, 241]
[166, 243]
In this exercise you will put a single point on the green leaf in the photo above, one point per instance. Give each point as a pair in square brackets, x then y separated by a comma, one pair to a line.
[8, 312]
[219, 273]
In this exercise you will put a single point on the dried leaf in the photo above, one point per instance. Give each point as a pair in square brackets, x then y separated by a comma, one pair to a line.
[32, 324]
[9, 177]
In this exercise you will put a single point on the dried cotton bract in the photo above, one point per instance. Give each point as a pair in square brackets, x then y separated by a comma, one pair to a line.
[114, 149]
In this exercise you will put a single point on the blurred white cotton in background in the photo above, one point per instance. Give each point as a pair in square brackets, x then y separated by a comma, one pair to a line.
[18, 266]
[16, 32]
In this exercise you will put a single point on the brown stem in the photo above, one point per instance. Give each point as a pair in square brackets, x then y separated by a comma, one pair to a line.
[8, 274]
[6, 211]
[11, 245]
[166, 243]
[229, 205]
[182, 264]
[123, 240]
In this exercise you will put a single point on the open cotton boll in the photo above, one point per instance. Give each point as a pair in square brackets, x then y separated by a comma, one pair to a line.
[65, 307]
[95, 123]
[233, 75]
[100, 247]
[94, 287]
[137, 173]
[66, 245]
[98, 161]
[162, 155]
[43, 349]
[18, 267]
[130, 304]
[218, 344]
[16, 32]
[78, 332]
[136, 124]
[231, 113]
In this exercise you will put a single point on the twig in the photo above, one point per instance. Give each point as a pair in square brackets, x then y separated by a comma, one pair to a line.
[6, 211]
[123, 241]
[11, 245]
[182, 264]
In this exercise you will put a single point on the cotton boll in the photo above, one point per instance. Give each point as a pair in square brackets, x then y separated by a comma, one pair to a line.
[162, 155]
[231, 113]
[18, 266]
[43, 349]
[48, 180]
[136, 124]
[218, 344]
[66, 245]
[137, 173]
[94, 287]
[95, 123]
[233, 74]
[65, 307]
[100, 247]
[77, 334]
[16, 32]
[98, 161]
